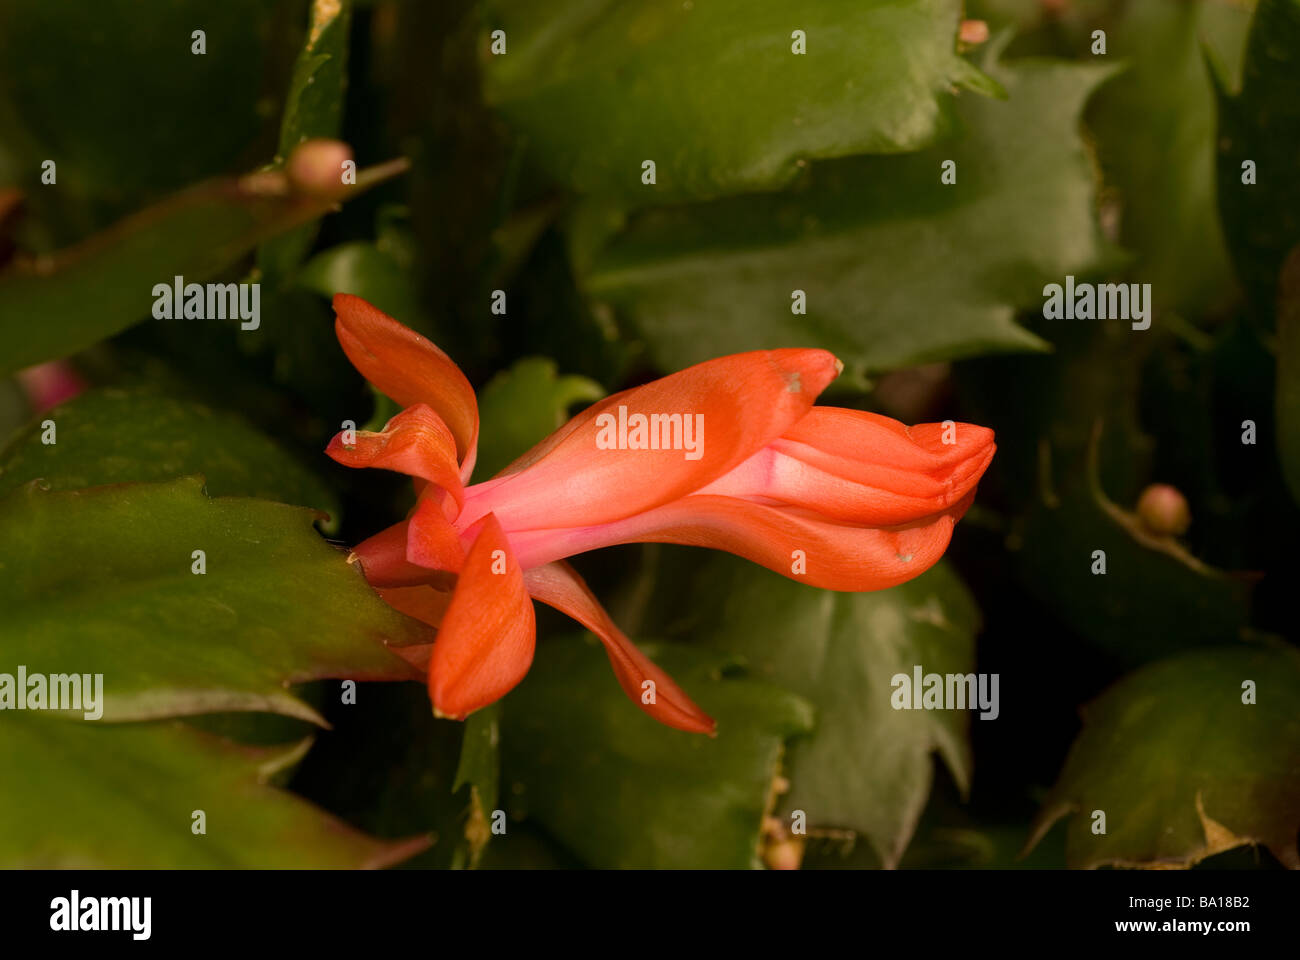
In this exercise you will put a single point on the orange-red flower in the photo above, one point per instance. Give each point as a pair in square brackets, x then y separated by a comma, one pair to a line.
[729, 454]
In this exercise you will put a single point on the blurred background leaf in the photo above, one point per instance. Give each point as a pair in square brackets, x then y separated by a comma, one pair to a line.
[620, 790]
[898, 268]
[599, 87]
[102, 578]
[522, 406]
[1261, 123]
[480, 770]
[139, 435]
[1183, 766]
[366, 271]
[1155, 131]
[390, 767]
[160, 775]
[100, 287]
[866, 768]
[207, 113]
[1288, 372]
[312, 109]
[1109, 598]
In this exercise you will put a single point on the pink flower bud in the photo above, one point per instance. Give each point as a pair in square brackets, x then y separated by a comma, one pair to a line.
[317, 166]
[1163, 510]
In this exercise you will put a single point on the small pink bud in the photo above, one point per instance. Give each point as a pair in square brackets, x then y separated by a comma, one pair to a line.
[49, 384]
[784, 854]
[317, 166]
[974, 32]
[1163, 510]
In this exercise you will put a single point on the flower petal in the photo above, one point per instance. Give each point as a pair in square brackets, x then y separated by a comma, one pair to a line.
[415, 442]
[424, 603]
[863, 468]
[835, 556]
[427, 604]
[485, 642]
[858, 436]
[558, 585]
[732, 407]
[432, 542]
[383, 560]
[408, 368]
[793, 542]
